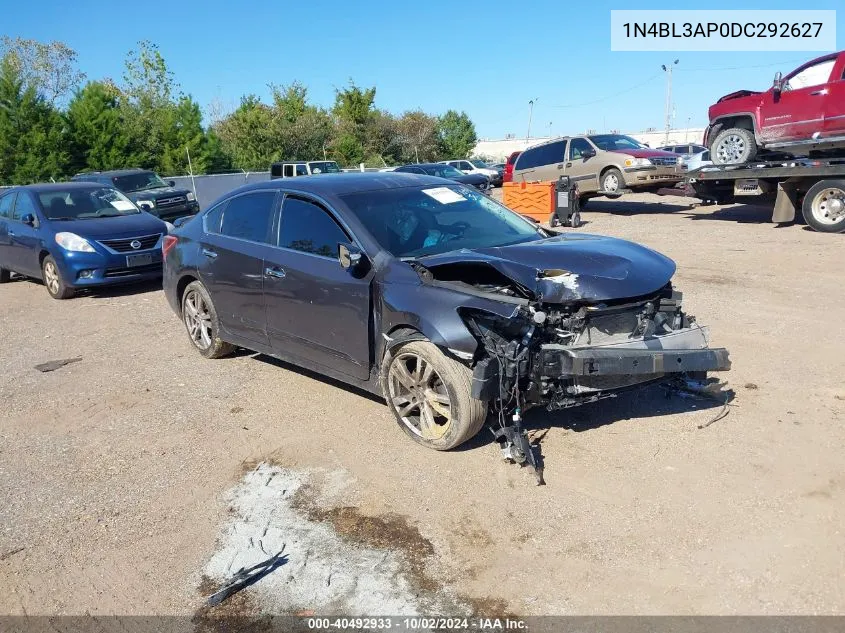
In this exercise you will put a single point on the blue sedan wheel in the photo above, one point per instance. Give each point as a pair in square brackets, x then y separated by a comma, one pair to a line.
[53, 281]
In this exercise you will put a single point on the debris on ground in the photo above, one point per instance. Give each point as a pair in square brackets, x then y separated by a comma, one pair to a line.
[11, 553]
[53, 365]
[247, 576]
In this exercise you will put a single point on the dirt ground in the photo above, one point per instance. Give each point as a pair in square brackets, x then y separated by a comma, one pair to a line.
[115, 470]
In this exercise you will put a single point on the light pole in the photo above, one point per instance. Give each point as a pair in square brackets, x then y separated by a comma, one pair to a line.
[668, 71]
[550, 129]
[530, 112]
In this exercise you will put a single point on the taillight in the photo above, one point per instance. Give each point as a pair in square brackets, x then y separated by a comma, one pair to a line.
[167, 244]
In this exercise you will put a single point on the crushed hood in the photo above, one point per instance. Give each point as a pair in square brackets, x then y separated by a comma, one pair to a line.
[569, 268]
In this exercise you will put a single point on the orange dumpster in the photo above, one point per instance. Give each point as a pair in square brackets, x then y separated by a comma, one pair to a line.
[533, 199]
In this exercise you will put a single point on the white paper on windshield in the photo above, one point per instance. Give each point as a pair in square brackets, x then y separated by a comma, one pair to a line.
[122, 205]
[444, 195]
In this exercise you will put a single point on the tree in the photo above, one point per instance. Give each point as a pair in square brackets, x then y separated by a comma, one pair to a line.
[96, 135]
[418, 136]
[50, 68]
[354, 105]
[457, 134]
[32, 133]
[246, 135]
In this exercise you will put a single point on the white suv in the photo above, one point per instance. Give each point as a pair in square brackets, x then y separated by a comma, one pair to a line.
[473, 166]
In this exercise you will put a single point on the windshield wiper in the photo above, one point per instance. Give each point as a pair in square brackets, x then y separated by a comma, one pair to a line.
[115, 215]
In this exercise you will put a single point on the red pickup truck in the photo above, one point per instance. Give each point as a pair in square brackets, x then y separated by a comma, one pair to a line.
[801, 113]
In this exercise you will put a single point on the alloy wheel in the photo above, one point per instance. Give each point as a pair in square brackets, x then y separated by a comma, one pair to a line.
[51, 277]
[731, 149]
[197, 320]
[419, 396]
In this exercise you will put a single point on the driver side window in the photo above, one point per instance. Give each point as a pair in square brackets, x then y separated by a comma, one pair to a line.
[309, 228]
[815, 75]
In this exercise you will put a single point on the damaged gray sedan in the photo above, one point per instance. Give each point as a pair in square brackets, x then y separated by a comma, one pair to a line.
[455, 309]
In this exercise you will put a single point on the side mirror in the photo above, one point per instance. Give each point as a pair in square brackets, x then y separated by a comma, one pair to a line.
[588, 153]
[180, 221]
[351, 259]
[172, 183]
[777, 84]
[28, 219]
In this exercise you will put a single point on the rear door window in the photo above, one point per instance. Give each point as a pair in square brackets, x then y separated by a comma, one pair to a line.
[301, 170]
[288, 171]
[309, 228]
[250, 217]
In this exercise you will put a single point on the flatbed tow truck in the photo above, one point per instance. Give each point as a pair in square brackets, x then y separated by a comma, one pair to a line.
[816, 187]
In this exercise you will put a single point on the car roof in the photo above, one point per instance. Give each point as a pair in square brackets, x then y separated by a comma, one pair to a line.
[114, 172]
[341, 184]
[423, 165]
[45, 187]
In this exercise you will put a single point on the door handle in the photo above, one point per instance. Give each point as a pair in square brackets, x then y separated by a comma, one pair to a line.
[569, 164]
[12, 234]
[278, 273]
[209, 253]
[818, 93]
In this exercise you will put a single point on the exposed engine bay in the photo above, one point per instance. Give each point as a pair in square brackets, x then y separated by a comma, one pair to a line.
[562, 354]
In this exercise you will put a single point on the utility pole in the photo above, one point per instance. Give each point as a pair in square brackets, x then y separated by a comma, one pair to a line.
[668, 71]
[530, 113]
[550, 129]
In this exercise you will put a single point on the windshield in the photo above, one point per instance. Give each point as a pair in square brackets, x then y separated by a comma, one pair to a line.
[84, 204]
[442, 171]
[610, 142]
[479, 163]
[416, 222]
[138, 182]
[324, 167]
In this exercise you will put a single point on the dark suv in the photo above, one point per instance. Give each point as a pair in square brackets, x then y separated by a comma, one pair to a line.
[147, 190]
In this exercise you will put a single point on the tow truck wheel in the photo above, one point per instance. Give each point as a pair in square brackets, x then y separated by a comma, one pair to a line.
[733, 146]
[824, 206]
[429, 395]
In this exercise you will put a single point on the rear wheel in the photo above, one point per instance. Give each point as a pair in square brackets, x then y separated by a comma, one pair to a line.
[733, 146]
[824, 206]
[201, 322]
[429, 395]
[53, 281]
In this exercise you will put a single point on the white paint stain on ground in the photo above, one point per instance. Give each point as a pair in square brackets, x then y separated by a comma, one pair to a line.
[324, 573]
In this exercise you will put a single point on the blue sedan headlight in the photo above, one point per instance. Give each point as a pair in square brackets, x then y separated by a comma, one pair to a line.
[72, 242]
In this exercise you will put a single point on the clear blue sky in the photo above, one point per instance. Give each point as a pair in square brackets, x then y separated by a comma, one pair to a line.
[483, 56]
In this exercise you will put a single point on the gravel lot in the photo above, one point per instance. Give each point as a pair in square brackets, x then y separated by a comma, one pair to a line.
[116, 471]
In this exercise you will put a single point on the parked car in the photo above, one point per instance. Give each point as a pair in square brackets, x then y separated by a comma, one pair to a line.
[697, 161]
[600, 163]
[148, 191]
[431, 294]
[482, 183]
[473, 166]
[508, 175]
[77, 235]
[685, 149]
[293, 169]
[801, 113]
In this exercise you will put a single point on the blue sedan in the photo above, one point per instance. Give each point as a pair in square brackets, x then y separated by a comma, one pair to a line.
[77, 235]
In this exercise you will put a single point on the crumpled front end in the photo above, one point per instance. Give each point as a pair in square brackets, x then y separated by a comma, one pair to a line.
[563, 356]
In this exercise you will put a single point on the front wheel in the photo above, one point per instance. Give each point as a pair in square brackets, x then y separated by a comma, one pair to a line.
[53, 280]
[824, 206]
[612, 181]
[429, 395]
[201, 321]
[733, 146]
